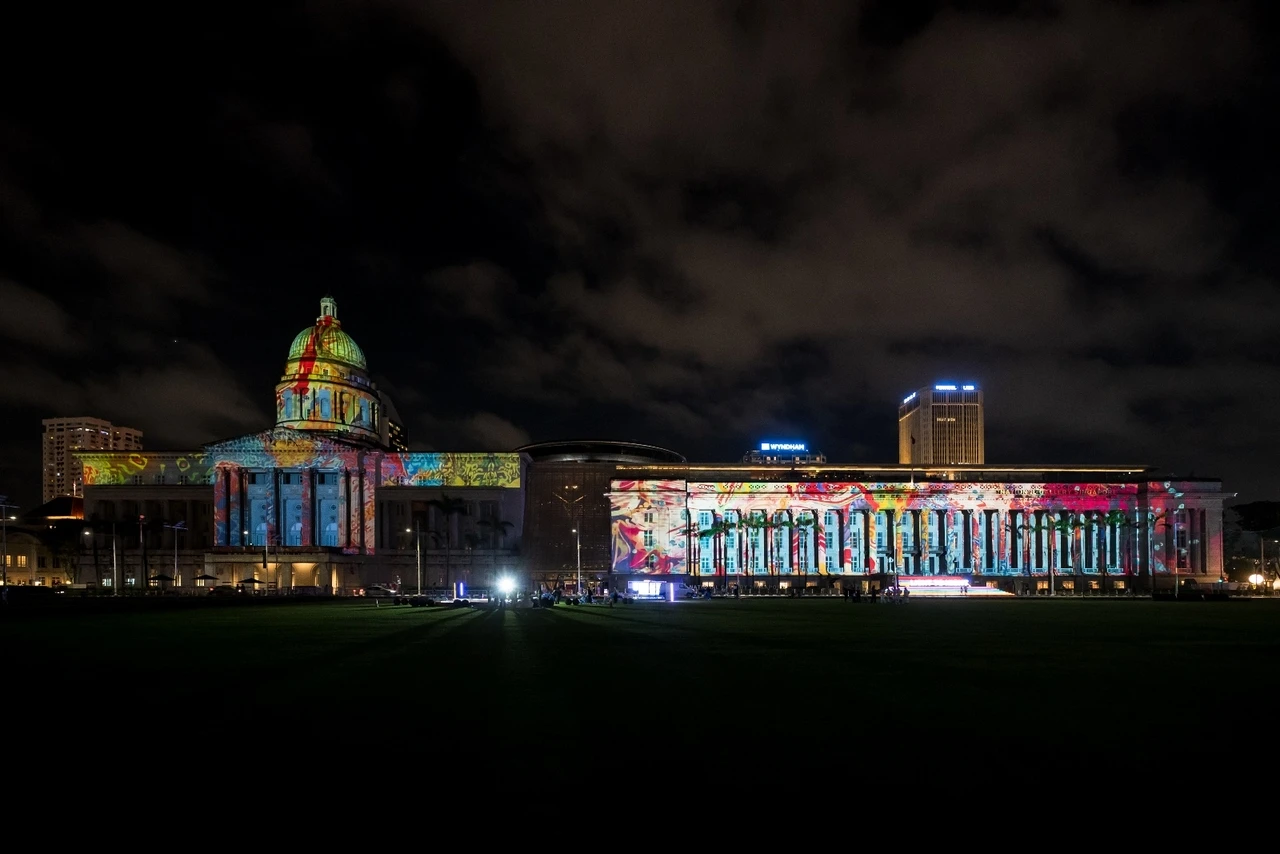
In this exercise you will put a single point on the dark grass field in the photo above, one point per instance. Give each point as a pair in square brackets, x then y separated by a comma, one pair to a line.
[919, 693]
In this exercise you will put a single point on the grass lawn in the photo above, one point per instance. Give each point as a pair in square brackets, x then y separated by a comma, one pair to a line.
[921, 691]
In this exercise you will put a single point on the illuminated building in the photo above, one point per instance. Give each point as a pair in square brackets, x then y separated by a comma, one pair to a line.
[568, 487]
[942, 426]
[325, 500]
[63, 436]
[1022, 529]
[782, 453]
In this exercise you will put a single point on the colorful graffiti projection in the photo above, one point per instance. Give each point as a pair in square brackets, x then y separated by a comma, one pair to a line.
[963, 528]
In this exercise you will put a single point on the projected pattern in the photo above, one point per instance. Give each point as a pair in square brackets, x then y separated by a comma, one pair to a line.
[929, 528]
[289, 487]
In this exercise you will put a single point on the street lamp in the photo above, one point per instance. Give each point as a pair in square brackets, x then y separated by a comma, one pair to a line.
[176, 527]
[417, 543]
[577, 538]
[115, 563]
[569, 507]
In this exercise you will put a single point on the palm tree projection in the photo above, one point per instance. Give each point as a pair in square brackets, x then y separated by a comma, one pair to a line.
[449, 508]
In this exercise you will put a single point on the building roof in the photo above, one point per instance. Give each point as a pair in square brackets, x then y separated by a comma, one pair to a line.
[326, 341]
[62, 507]
[599, 450]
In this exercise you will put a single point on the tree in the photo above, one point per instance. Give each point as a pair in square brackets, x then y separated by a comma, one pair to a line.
[64, 540]
[1258, 517]
[497, 530]
[472, 541]
[449, 508]
[1068, 524]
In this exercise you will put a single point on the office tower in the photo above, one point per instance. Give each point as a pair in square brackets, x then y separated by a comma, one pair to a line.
[61, 473]
[942, 425]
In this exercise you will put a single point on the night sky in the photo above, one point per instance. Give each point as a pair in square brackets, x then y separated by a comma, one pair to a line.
[697, 225]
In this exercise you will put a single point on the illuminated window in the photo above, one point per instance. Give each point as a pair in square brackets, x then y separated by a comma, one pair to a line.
[1015, 538]
[1180, 539]
[22, 561]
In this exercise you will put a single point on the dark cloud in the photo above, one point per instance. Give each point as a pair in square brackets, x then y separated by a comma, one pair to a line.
[687, 224]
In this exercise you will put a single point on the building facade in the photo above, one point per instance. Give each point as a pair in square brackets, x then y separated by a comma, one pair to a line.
[566, 507]
[942, 426]
[326, 500]
[1022, 530]
[62, 437]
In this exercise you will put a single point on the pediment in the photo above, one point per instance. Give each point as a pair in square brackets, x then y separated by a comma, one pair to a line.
[282, 441]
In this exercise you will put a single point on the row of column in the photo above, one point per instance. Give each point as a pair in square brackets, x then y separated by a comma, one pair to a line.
[992, 541]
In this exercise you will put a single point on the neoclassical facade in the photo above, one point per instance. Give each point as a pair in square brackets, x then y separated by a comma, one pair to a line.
[1017, 528]
[327, 500]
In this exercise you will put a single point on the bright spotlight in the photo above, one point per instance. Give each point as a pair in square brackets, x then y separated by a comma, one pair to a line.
[506, 585]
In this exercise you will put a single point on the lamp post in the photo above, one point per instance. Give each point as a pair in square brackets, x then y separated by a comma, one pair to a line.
[115, 564]
[569, 506]
[577, 538]
[417, 543]
[176, 527]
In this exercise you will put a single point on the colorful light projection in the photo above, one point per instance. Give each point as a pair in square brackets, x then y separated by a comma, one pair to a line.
[420, 469]
[242, 503]
[939, 528]
[326, 384]
[648, 526]
[266, 483]
[120, 468]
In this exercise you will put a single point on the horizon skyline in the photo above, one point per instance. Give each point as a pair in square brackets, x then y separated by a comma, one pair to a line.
[692, 225]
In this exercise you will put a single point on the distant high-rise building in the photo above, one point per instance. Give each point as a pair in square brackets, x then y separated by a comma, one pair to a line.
[62, 473]
[942, 425]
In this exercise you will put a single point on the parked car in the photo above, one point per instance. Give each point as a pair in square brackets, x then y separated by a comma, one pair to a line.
[379, 592]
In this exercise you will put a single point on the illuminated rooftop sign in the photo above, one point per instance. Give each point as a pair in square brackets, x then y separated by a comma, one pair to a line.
[944, 388]
[908, 398]
[788, 447]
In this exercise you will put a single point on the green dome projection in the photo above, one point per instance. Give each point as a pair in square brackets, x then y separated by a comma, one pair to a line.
[327, 341]
[326, 385]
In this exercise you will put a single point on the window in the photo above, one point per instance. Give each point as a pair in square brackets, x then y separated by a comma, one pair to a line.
[22, 561]
[988, 539]
[1041, 542]
[40, 561]
[1180, 539]
[1015, 538]
[1088, 542]
[1065, 532]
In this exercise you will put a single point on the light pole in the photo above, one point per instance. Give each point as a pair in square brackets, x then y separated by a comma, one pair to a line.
[577, 538]
[176, 527]
[569, 506]
[115, 565]
[417, 544]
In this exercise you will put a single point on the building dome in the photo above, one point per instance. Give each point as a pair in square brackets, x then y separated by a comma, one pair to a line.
[326, 340]
[326, 386]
